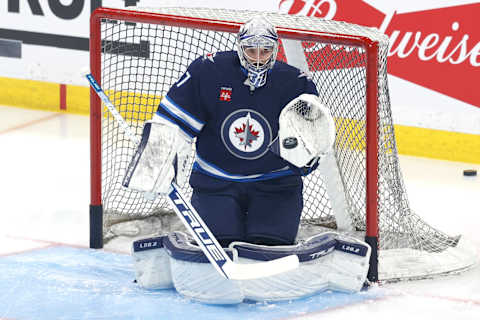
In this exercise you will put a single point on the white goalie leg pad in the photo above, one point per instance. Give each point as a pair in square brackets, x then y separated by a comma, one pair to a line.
[306, 280]
[151, 263]
[349, 264]
[327, 261]
[195, 277]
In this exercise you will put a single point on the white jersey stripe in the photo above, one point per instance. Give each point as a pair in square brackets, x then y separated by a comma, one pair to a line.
[219, 173]
[185, 135]
[171, 107]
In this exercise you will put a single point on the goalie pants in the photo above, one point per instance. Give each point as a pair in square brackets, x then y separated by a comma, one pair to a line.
[262, 212]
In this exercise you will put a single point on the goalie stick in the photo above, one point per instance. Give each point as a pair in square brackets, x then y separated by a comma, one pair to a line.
[197, 227]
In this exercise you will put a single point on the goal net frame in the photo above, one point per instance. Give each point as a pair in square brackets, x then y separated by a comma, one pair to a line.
[368, 43]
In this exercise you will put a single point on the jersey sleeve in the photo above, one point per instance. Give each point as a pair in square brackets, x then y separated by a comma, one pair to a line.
[181, 105]
[307, 83]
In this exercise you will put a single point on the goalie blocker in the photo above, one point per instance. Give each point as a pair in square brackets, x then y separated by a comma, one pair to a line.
[161, 157]
[328, 261]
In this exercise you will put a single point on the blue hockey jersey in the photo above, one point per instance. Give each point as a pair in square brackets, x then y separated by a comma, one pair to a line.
[233, 125]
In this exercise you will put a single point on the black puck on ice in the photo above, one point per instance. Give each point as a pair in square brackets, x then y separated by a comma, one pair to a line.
[470, 173]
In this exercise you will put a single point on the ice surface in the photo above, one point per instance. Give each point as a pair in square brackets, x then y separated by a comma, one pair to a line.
[44, 224]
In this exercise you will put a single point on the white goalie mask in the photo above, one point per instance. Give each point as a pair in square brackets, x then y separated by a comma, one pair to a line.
[257, 48]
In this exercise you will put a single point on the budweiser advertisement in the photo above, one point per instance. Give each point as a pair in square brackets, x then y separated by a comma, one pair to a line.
[437, 48]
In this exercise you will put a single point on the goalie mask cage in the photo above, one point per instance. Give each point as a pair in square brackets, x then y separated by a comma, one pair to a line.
[137, 55]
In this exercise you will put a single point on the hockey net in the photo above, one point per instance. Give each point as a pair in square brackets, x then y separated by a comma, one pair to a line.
[137, 56]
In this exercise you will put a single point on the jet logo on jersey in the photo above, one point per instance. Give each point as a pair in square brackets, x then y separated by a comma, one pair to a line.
[246, 134]
[225, 94]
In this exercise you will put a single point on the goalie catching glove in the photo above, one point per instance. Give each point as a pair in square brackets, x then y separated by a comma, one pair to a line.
[162, 155]
[306, 132]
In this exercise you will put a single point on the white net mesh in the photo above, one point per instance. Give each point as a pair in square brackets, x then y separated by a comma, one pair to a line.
[140, 61]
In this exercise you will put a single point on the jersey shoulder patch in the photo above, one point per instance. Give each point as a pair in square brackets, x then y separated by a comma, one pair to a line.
[305, 74]
[210, 56]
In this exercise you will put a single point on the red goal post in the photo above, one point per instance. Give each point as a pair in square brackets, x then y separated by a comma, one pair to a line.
[348, 64]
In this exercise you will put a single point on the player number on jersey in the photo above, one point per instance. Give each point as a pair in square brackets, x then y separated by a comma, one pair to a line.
[184, 79]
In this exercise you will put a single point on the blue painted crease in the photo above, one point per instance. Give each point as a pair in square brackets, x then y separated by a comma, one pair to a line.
[75, 283]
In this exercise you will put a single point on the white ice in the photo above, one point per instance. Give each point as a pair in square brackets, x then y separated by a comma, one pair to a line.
[45, 197]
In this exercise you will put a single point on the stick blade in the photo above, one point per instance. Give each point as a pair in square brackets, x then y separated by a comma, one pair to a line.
[239, 271]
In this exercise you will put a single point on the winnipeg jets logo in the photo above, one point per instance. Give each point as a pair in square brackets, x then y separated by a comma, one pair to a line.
[246, 134]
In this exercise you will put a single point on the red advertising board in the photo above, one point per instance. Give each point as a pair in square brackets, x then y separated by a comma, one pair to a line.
[438, 48]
